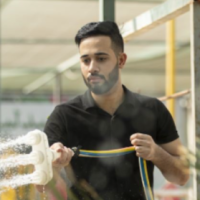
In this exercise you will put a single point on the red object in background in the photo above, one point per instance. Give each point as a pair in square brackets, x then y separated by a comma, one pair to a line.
[53, 99]
[60, 187]
[170, 186]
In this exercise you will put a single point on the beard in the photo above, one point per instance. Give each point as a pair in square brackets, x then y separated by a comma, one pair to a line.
[107, 85]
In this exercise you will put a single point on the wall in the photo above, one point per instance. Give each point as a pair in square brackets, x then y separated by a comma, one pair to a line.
[19, 118]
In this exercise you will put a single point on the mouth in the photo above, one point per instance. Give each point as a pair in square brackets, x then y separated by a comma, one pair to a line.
[95, 79]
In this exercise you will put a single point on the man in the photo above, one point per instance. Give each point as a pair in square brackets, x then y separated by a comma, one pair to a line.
[109, 116]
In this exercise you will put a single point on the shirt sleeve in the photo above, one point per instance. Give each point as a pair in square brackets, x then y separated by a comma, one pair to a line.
[54, 128]
[166, 129]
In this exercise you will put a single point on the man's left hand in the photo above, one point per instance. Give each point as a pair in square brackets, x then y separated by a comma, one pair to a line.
[145, 146]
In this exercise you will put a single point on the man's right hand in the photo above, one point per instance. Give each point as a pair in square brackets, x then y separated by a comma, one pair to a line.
[63, 160]
[65, 157]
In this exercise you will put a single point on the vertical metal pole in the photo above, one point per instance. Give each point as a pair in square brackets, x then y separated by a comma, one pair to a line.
[107, 10]
[0, 97]
[170, 64]
[195, 82]
[57, 89]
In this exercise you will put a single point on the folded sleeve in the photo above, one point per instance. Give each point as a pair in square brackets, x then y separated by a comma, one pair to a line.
[54, 127]
[166, 129]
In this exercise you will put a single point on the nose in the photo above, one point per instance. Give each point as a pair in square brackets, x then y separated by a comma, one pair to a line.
[93, 67]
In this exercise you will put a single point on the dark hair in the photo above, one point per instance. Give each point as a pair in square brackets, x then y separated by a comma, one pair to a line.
[106, 28]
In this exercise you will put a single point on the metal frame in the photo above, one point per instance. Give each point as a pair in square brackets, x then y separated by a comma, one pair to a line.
[49, 75]
[133, 1]
[170, 69]
[106, 10]
[195, 81]
[44, 41]
[154, 17]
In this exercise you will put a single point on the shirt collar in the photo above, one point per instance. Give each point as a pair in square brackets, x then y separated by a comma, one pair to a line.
[88, 101]
[129, 97]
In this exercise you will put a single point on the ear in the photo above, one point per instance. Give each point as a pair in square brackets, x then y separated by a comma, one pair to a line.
[122, 60]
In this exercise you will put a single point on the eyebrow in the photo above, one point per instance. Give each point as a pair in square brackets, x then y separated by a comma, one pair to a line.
[96, 54]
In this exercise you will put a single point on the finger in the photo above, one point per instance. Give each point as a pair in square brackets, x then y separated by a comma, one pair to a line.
[65, 155]
[57, 145]
[142, 149]
[70, 152]
[68, 155]
[138, 149]
[139, 136]
[60, 155]
[139, 142]
[141, 153]
[135, 136]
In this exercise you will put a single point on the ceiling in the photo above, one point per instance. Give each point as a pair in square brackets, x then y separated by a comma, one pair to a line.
[38, 35]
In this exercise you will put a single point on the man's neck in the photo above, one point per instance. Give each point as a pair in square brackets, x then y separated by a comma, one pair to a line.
[110, 101]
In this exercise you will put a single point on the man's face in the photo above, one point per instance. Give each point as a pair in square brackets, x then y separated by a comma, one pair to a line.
[99, 64]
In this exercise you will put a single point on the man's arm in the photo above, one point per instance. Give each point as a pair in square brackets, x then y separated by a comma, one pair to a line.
[169, 157]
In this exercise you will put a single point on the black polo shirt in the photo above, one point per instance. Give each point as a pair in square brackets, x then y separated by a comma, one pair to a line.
[80, 122]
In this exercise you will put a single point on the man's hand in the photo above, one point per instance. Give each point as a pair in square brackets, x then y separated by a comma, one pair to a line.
[167, 157]
[66, 155]
[145, 146]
